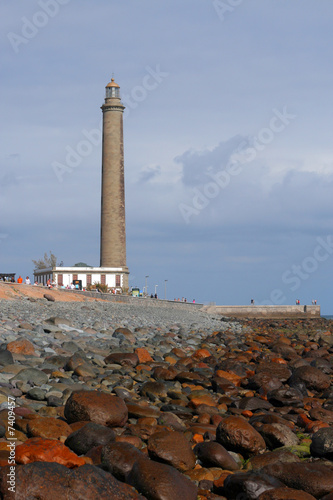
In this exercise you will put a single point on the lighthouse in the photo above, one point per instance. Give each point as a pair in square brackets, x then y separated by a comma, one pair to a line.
[113, 271]
[113, 227]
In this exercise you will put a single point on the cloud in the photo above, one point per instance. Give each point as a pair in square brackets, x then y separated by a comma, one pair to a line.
[149, 173]
[195, 164]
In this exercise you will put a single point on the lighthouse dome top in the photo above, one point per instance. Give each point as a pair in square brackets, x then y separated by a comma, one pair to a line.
[112, 90]
[112, 84]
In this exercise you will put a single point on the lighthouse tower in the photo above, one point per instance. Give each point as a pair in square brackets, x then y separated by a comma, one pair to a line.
[113, 271]
[113, 230]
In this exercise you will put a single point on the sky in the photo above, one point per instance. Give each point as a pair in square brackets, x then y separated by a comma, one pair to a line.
[227, 136]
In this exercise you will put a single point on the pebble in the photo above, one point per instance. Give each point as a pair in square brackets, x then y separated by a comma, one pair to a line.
[149, 402]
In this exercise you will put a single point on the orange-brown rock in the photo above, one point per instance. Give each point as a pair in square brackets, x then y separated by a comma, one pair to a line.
[48, 427]
[201, 354]
[21, 346]
[46, 450]
[143, 355]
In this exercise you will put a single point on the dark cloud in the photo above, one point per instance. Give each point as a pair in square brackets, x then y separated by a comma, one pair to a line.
[196, 164]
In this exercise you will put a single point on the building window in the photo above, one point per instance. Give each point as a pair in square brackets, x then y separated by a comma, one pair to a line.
[60, 280]
[103, 279]
[88, 279]
[74, 277]
[118, 280]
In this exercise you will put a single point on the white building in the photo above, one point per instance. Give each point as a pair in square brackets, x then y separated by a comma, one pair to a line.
[65, 276]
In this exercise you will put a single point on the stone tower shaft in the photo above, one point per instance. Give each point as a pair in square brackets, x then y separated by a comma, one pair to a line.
[113, 229]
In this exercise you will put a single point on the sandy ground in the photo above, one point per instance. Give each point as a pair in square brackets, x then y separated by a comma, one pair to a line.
[12, 291]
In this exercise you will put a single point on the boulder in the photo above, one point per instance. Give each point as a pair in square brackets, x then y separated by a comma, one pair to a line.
[171, 448]
[88, 437]
[98, 407]
[52, 481]
[160, 481]
[236, 434]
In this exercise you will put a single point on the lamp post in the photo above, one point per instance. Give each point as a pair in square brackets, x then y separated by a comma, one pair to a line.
[165, 282]
[146, 288]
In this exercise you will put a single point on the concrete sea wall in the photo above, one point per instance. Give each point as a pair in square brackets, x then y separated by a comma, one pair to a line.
[250, 311]
[268, 312]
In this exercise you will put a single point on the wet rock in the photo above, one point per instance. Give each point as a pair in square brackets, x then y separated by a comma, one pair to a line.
[143, 355]
[171, 448]
[46, 450]
[137, 411]
[286, 396]
[22, 346]
[98, 407]
[322, 443]
[285, 494]
[254, 403]
[48, 427]
[119, 458]
[249, 485]
[275, 370]
[312, 377]
[161, 482]
[171, 420]
[322, 414]
[123, 359]
[314, 478]
[273, 457]
[124, 334]
[153, 390]
[212, 454]
[52, 481]
[236, 434]
[88, 437]
[276, 435]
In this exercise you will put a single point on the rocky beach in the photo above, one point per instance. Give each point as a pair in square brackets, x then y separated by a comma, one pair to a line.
[110, 400]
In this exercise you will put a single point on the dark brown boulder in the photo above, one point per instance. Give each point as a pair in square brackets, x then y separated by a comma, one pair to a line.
[277, 370]
[286, 396]
[160, 481]
[119, 458]
[98, 407]
[213, 454]
[51, 481]
[272, 457]
[253, 404]
[249, 485]
[171, 448]
[285, 494]
[312, 377]
[89, 436]
[123, 359]
[322, 443]
[315, 478]
[236, 434]
[153, 389]
[277, 435]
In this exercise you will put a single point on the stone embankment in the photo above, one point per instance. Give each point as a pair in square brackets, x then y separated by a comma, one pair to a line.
[118, 401]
